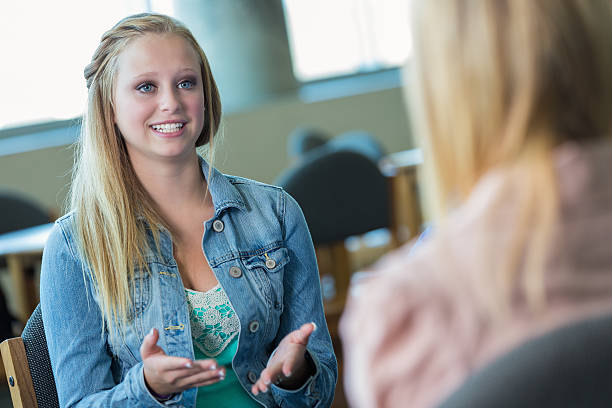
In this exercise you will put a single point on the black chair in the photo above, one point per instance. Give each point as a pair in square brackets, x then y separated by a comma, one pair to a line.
[28, 367]
[304, 139]
[19, 213]
[341, 192]
[568, 367]
[358, 141]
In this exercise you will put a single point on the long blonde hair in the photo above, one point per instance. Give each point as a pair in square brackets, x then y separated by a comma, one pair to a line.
[106, 196]
[499, 84]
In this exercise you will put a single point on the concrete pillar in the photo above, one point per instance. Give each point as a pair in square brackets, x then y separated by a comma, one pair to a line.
[247, 47]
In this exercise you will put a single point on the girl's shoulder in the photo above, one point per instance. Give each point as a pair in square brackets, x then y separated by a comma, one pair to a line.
[254, 185]
[62, 234]
[258, 194]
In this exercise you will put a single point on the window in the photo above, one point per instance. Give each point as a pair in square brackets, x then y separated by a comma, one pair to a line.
[45, 47]
[340, 37]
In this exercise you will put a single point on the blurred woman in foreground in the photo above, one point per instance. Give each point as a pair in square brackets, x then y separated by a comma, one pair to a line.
[513, 103]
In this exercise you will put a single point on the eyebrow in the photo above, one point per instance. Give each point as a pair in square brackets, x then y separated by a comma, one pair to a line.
[153, 73]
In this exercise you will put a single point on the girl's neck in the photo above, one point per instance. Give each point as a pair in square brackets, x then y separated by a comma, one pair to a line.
[178, 189]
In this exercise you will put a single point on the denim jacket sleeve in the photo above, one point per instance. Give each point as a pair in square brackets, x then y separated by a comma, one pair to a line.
[302, 304]
[78, 349]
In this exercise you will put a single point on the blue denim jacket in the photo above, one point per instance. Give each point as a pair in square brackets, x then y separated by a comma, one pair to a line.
[258, 222]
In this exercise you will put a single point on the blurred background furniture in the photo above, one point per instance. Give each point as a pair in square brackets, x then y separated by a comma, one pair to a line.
[568, 367]
[347, 187]
[21, 251]
[19, 212]
[342, 194]
[304, 139]
[401, 169]
[28, 367]
[358, 141]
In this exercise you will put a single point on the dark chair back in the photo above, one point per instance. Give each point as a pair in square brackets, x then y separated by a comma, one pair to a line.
[358, 141]
[303, 140]
[569, 367]
[19, 213]
[342, 193]
[37, 354]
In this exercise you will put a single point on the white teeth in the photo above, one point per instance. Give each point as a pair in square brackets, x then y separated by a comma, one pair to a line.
[167, 127]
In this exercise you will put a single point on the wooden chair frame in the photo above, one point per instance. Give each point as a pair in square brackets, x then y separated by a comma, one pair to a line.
[18, 373]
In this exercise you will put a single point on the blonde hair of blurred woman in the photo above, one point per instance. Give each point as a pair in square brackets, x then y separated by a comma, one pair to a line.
[501, 92]
[106, 195]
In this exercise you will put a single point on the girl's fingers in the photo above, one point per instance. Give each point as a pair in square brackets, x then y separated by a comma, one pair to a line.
[208, 364]
[205, 383]
[269, 375]
[194, 366]
[290, 363]
[168, 363]
[149, 345]
[302, 335]
[202, 378]
[258, 387]
[205, 368]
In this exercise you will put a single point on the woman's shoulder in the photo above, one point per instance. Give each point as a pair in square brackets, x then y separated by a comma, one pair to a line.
[62, 236]
[254, 185]
[66, 223]
[258, 193]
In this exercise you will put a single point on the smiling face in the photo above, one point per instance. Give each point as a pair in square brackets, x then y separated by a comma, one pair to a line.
[159, 99]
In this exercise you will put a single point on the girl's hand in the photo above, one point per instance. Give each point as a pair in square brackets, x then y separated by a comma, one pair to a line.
[166, 375]
[288, 367]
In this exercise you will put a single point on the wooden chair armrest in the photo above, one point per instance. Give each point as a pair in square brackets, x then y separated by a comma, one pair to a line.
[18, 373]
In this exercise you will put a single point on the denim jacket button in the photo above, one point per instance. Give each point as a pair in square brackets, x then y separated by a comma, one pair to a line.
[235, 272]
[218, 225]
[253, 326]
[270, 263]
[252, 377]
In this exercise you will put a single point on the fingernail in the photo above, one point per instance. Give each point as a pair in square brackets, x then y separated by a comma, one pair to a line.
[188, 365]
[151, 331]
[265, 389]
[213, 367]
[221, 375]
[288, 374]
[314, 325]
[267, 382]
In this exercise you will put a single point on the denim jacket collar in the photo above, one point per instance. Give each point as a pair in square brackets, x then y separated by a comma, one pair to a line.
[223, 192]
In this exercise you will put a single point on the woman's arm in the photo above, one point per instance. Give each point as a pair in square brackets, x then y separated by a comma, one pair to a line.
[78, 348]
[303, 304]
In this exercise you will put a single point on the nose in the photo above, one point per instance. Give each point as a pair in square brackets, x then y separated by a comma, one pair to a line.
[169, 100]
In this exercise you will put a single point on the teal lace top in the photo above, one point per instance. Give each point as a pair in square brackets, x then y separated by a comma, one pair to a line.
[214, 330]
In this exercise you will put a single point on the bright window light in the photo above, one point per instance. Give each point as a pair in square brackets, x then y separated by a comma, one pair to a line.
[46, 45]
[339, 37]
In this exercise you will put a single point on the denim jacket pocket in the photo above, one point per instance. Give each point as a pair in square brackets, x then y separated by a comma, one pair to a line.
[266, 268]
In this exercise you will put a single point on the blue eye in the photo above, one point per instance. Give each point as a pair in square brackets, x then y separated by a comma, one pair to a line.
[186, 85]
[145, 88]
